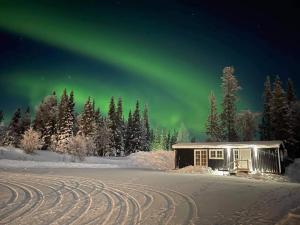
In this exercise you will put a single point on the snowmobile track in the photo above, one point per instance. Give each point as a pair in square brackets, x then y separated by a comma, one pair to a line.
[49, 199]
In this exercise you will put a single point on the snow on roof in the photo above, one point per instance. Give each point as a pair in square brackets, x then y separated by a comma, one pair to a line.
[244, 144]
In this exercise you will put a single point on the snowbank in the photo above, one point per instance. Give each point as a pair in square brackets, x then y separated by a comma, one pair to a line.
[16, 158]
[293, 171]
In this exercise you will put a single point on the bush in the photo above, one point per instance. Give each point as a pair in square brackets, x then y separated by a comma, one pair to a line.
[31, 140]
[79, 146]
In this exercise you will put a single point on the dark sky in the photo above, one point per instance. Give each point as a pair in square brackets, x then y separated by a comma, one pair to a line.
[168, 54]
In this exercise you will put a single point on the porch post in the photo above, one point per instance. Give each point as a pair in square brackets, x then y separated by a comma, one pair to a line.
[279, 164]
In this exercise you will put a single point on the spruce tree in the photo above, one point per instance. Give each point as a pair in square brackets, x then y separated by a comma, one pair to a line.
[183, 134]
[213, 130]
[246, 121]
[290, 92]
[112, 124]
[45, 120]
[1, 116]
[25, 121]
[279, 113]
[13, 135]
[174, 138]
[64, 125]
[103, 137]
[87, 119]
[265, 126]
[230, 88]
[137, 130]
[129, 135]
[146, 129]
[72, 118]
[120, 128]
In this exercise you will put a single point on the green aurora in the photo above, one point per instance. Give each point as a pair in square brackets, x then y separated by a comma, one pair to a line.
[149, 61]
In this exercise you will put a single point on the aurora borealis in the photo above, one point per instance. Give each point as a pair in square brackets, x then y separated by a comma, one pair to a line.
[168, 54]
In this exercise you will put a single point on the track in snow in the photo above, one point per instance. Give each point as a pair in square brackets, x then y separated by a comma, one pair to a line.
[34, 199]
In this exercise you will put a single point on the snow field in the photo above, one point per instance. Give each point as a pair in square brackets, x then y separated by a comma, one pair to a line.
[33, 199]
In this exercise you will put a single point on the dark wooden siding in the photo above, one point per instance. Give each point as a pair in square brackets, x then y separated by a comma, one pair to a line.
[184, 157]
[221, 164]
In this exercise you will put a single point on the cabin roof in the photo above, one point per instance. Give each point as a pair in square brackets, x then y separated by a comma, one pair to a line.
[244, 144]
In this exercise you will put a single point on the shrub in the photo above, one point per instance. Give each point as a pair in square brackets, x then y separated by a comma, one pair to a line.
[79, 146]
[31, 140]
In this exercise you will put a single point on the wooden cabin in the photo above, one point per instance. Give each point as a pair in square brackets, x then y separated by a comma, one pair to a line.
[250, 156]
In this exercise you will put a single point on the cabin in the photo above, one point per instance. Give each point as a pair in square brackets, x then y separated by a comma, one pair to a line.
[234, 157]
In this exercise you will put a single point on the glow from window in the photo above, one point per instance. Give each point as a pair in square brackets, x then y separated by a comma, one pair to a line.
[255, 151]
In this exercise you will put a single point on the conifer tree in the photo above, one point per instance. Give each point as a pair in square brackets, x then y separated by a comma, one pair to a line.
[290, 92]
[183, 134]
[129, 135]
[213, 130]
[13, 135]
[45, 120]
[1, 116]
[265, 126]
[174, 138]
[279, 113]
[120, 128]
[103, 137]
[230, 88]
[146, 129]
[25, 121]
[87, 119]
[72, 117]
[137, 130]
[64, 124]
[112, 124]
[246, 121]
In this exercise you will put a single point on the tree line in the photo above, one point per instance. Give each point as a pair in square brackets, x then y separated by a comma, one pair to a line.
[58, 127]
[279, 119]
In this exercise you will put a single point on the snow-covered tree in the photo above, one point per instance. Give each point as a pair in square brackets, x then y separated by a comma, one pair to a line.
[137, 132]
[129, 134]
[174, 138]
[13, 134]
[112, 124]
[65, 125]
[295, 151]
[25, 121]
[146, 127]
[183, 134]
[290, 92]
[265, 127]
[31, 140]
[87, 119]
[157, 143]
[247, 125]
[213, 130]
[279, 113]
[45, 120]
[230, 88]
[1, 116]
[103, 138]
[120, 129]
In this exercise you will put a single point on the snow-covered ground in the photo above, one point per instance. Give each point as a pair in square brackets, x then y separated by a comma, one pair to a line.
[13, 157]
[47, 187]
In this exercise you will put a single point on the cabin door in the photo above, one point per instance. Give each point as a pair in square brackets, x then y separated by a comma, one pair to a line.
[242, 158]
[200, 157]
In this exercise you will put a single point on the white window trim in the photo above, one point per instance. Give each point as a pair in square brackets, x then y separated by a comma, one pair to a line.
[215, 150]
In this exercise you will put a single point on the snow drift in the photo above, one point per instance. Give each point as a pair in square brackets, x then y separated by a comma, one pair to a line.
[16, 158]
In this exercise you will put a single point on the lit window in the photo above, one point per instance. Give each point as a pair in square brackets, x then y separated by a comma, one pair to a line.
[216, 153]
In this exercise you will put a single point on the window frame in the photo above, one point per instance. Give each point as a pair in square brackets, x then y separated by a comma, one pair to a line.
[215, 151]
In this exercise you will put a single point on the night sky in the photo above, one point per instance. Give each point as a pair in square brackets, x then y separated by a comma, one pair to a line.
[168, 54]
